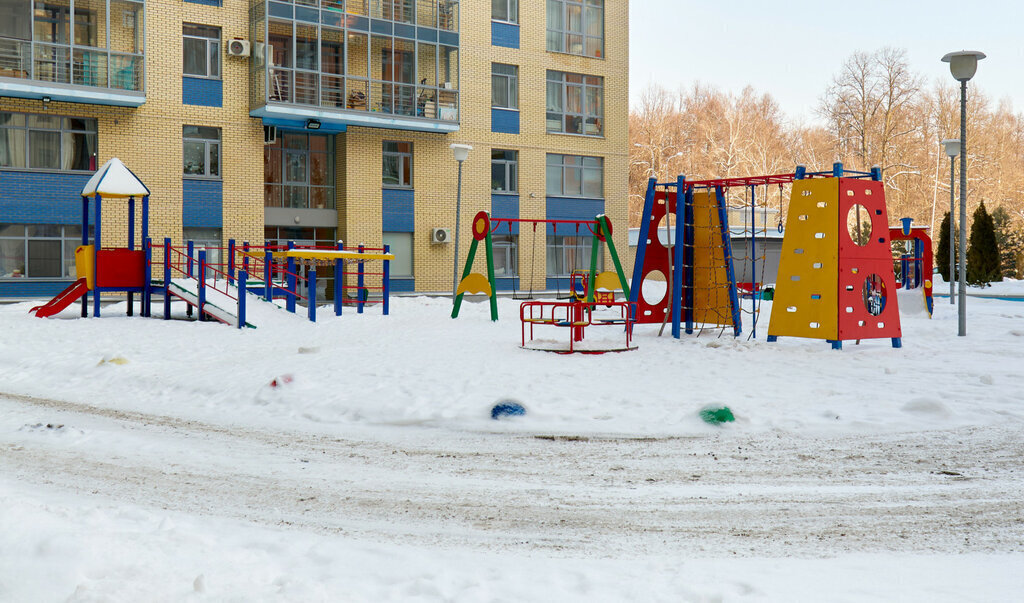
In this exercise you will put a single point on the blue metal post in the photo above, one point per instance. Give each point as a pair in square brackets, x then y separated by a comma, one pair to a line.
[131, 223]
[723, 223]
[97, 241]
[145, 217]
[678, 259]
[837, 170]
[799, 174]
[190, 251]
[243, 278]
[268, 262]
[387, 280]
[85, 241]
[292, 281]
[339, 283]
[167, 279]
[688, 257]
[147, 283]
[876, 173]
[312, 296]
[641, 247]
[753, 261]
[245, 256]
[360, 285]
[202, 285]
[231, 261]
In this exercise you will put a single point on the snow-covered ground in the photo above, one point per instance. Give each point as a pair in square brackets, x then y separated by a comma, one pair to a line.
[149, 460]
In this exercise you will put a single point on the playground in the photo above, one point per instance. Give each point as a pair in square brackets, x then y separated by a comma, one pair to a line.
[163, 461]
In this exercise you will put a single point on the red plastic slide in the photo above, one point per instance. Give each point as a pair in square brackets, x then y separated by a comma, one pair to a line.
[63, 299]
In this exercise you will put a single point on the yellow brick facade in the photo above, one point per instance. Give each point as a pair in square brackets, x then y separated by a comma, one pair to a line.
[149, 138]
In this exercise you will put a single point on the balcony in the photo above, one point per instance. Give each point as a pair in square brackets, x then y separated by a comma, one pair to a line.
[387, 64]
[38, 59]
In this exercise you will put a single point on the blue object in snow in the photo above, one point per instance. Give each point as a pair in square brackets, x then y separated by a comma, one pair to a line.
[507, 408]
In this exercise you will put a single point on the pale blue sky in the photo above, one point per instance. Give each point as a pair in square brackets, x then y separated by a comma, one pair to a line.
[792, 49]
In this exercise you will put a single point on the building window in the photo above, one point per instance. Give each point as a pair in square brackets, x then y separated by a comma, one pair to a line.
[41, 41]
[567, 254]
[504, 86]
[506, 251]
[298, 171]
[576, 27]
[400, 244]
[201, 44]
[201, 151]
[504, 171]
[397, 164]
[39, 250]
[505, 10]
[47, 142]
[575, 103]
[575, 176]
[208, 240]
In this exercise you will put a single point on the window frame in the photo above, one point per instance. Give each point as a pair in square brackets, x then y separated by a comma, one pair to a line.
[207, 143]
[407, 182]
[563, 79]
[63, 131]
[561, 165]
[581, 247]
[510, 83]
[511, 171]
[282, 184]
[562, 34]
[506, 246]
[69, 238]
[208, 52]
[511, 10]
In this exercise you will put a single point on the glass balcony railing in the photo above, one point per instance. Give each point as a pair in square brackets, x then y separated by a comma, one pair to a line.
[62, 64]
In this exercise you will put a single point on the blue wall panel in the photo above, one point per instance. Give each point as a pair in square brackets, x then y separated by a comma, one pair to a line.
[504, 121]
[31, 288]
[200, 91]
[504, 34]
[206, 2]
[41, 198]
[398, 210]
[568, 208]
[505, 206]
[403, 285]
[202, 203]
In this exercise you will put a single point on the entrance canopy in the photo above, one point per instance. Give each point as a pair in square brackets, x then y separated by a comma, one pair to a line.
[114, 180]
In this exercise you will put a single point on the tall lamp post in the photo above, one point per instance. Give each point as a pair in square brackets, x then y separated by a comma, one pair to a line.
[460, 151]
[952, 146]
[963, 65]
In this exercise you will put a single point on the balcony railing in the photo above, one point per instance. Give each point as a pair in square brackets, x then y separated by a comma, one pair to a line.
[62, 64]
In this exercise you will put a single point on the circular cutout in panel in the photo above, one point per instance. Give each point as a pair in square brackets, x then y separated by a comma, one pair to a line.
[667, 231]
[858, 224]
[654, 289]
[874, 294]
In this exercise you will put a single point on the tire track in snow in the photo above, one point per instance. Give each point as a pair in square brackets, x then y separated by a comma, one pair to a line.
[730, 493]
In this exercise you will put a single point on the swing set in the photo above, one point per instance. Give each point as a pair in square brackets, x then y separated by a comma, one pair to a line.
[484, 226]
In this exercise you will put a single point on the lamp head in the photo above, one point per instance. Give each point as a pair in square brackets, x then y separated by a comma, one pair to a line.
[461, 151]
[952, 146]
[963, 64]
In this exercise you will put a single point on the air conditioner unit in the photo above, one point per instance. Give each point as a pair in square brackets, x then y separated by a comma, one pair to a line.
[269, 134]
[238, 48]
[441, 235]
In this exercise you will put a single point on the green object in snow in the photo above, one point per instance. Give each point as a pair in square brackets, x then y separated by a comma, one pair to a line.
[716, 416]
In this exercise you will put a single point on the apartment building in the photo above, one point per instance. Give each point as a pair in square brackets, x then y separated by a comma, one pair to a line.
[316, 121]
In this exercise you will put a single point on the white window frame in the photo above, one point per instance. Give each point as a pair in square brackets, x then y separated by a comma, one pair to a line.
[211, 55]
[208, 145]
[580, 164]
[508, 81]
[511, 169]
[405, 180]
[511, 11]
[63, 131]
[560, 35]
[582, 84]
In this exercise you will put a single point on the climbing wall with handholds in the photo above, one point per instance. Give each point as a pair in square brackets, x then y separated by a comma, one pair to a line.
[835, 279]
[712, 304]
[651, 308]
[867, 283]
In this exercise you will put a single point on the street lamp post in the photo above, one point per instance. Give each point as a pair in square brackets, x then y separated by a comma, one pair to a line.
[460, 151]
[952, 146]
[963, 65]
